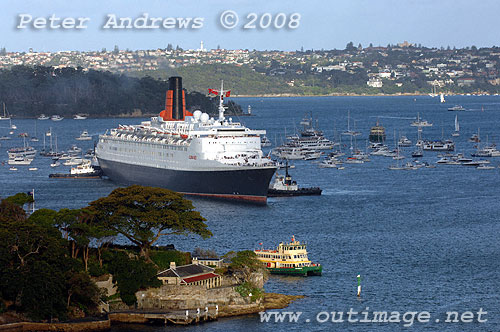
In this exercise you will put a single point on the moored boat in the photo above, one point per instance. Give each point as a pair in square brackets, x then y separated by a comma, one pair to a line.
[56, 117]
[420, 123]
[83, 171]
[283, 186]
[377, 133]
[5, 115]
[84, 136]
[289, 259]
[456, 108]
[79, 117]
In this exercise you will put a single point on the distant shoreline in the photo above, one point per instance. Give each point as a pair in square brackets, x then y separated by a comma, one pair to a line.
[276, 95]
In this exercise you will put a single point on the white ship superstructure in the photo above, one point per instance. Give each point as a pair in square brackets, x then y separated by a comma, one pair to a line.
[193, 154]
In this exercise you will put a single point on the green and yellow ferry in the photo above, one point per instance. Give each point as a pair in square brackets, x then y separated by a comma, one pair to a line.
[290, 259]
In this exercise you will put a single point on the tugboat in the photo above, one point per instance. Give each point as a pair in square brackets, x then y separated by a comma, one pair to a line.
[377, 134]
[289, 259]
[283, 186]
[83, 171]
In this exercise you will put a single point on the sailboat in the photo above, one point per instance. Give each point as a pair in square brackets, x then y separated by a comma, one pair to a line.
[441, 98]
[5, 115]
[434, 91]
[349, 131]
[34, 138]
[457, 127]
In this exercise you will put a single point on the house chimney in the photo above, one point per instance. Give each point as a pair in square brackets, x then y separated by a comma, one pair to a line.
[172, 265]
[195, 260]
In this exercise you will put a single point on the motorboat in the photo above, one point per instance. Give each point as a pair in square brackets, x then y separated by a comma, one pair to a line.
[74, 150]
[312, 155]
[485, 167]
[73, 162]
[79, 117]
[420, 123]
[56, 117]
[84, 136]
[474, 138]
[20, 161]
[456, 108]
[83, 171]
[43, 117]
[446, 161]
[354, 160]
[417, 153]
[439, 145]
[24, 152]
[404, 142]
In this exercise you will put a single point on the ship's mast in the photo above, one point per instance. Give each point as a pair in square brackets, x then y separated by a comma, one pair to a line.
[221, 102]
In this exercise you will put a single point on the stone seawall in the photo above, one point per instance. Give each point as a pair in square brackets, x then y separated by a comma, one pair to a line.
[173, 297]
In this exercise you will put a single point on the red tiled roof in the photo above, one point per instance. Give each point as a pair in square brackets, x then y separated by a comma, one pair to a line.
[200, 277]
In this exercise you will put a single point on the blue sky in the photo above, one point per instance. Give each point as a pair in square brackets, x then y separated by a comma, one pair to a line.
[323, 24]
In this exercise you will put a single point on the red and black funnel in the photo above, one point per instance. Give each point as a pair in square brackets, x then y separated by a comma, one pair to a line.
[175, 104]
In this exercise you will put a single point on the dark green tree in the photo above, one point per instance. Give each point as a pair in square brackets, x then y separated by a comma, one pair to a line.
[350, 46]
[130, 274]
[144, 214]
[243, 263]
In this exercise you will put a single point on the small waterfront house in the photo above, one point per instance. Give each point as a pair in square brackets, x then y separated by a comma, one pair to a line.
[211, 262]
[190, 275]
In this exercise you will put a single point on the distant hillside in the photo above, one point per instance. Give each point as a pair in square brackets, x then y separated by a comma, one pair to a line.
[241, 80]
[30, 91]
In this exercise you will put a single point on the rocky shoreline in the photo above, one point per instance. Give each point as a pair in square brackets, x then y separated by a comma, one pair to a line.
[270, 301]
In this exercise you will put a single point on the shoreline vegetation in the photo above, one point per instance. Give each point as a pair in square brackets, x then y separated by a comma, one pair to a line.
[64, 270]
[28, 92]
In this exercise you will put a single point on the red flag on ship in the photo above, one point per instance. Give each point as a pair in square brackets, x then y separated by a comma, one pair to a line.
[215, 92]
[228, 93]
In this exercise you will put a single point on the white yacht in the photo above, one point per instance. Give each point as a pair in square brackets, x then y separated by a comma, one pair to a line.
[20, 161]
[73, 162]
[79, 117]
[420, 123]
[84, 136]
[404, 141]
[56, 117]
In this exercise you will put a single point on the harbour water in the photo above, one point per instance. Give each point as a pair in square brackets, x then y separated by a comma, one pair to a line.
[425, 240]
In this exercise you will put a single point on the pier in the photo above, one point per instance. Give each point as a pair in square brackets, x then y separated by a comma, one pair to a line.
[178, 317]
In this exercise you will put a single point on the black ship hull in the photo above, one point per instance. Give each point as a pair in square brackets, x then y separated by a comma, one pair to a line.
[248, 184]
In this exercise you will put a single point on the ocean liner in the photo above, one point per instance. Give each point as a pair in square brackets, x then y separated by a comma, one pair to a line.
[188, 152]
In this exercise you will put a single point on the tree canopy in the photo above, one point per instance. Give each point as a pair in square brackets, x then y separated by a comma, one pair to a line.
[144, 214]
